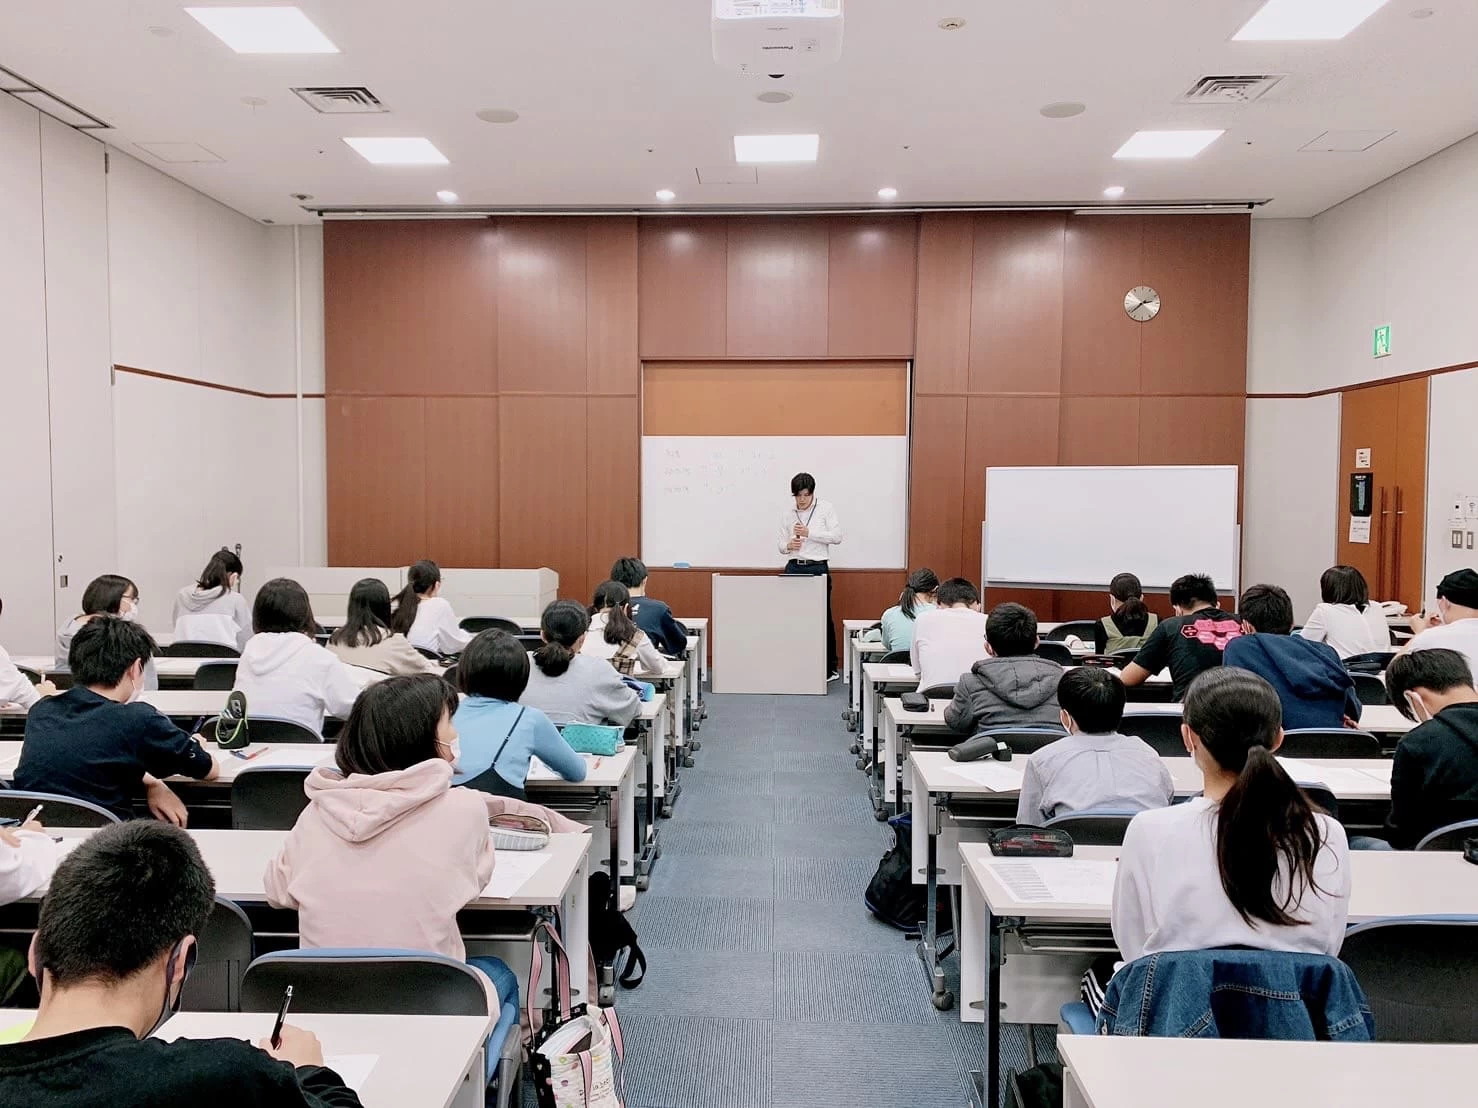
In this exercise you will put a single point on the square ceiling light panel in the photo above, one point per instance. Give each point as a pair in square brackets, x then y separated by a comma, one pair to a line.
[1306, 20]
[259, 30]
[749, 149]
[397, 151]
[1167, 144]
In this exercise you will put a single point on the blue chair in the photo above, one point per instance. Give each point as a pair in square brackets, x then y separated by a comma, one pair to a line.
[1077, 1019]
[57, 811]
[1450, 837]
[392, 982]
[1095, 826]
[1420, 975]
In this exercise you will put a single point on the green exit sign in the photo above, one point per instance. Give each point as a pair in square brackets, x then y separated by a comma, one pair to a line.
[1380, 346]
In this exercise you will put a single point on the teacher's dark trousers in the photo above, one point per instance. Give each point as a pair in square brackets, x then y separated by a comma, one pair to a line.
[807, 568]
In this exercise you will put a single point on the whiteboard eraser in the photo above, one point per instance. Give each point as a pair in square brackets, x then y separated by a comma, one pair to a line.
[682, 565]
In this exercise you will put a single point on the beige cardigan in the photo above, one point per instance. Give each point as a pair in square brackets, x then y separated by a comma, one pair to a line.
[393, 655]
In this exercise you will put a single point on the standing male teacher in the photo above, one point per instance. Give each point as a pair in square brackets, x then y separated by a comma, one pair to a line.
[807, 533]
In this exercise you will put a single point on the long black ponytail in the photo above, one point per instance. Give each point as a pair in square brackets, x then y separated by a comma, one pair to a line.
[614, 598]
[421, 578]
[1264, 821]
[919, 581]
[562, 624]
[1133, 615]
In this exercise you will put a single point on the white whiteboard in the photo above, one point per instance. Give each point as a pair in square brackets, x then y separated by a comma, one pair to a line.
[1080, 525]
[716, 501]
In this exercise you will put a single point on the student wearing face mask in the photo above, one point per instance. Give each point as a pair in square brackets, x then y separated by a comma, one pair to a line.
[94, 742]
[108, 595]
[1434, 777]
[213, 610]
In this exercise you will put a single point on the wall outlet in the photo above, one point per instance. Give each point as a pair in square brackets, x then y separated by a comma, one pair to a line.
[1470, 540]
[1457, 540]
[1456, 514]
[1470, 507]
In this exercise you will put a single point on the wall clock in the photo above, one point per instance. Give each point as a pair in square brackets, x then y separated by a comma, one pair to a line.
[1141, 303]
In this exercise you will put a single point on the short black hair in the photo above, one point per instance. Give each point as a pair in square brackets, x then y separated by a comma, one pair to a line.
[1344, 585]
[128, 894]
[104, 647]
[1268, 609]
[1011, 630]
[1185, 591]
[217, 571]
[493, 664]
[957, 590]
[282, 607]
[631, 572]
[104, 595]
[393, 724]
[802, 482]
[1094, 697]
[1437, 670]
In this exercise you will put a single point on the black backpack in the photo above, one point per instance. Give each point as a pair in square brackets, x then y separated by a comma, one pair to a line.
[891, 894]
[611, 933]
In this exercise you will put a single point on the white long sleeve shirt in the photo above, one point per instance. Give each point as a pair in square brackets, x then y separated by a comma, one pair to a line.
[1349, 630]
[15, 686]
[26, 870]
[825, 531]
[436, 627]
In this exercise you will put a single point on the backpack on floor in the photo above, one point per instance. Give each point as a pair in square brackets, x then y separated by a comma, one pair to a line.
[1038, 1087]
[611, 933]
[892, 895]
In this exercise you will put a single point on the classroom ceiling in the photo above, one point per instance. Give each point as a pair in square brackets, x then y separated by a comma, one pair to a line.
[618, 100]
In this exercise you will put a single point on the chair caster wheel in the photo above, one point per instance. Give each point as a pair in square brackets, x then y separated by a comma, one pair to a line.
[695, 744]
[855, 748]
[861, 763]
[944, 1001]
[643, 881]
[881, 817]
[607, 995]
[688, 762]
[666, 811]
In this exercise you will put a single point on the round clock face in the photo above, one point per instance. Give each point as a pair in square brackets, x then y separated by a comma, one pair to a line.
[1141, 303]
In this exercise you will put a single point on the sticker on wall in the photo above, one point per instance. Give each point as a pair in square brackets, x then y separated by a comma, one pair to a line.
[1360, 529]
[1380, 342]
[1362, 458]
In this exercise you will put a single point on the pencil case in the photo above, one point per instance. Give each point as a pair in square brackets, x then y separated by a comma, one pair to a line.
[593, 738]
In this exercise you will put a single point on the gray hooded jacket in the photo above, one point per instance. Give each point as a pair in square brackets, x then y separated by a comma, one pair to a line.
[1006, 692]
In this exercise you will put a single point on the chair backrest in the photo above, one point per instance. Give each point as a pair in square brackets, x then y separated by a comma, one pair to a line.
[1329, 742]
[1450, 837]
[1074, 628]
[376, 982]
[477, 624]
[1162, 732]
[193, 648]
[31, 675]
[57, 811]
[449, 675]
[1419, 976]
[268, 798]
[945, 690]
[216, 676]
[226, 948]
[1320, 796]
[530, 642]
[1151, 692]
[1375, 662]
[1024, 740]
[1370, 688]
[896, 657]
[1095, 827]
[265, 729]
[1056, 652]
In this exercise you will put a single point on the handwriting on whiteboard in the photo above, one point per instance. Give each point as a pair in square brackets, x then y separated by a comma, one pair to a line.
[719, 473]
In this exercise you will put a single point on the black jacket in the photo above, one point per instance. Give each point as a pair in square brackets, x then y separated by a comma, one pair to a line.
[1020, 691]
[1434, 779]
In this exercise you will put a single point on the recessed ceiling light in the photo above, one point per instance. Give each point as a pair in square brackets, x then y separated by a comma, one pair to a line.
[887, 193]
[1063, 109]
[951, 23]
[775, 96]
[447, 196]
[1167, 144]
[498, 115]
[776, 148]
[161, 32]
[254, 101]
[1422, 13]
[665, 195]
[397, 151]
[264, 30]
[1113, 192]
[1301, 20]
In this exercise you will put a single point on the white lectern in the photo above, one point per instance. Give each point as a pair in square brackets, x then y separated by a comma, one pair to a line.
[769, 634]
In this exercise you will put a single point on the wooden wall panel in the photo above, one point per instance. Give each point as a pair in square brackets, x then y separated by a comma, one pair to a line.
[682, 289]
[946, 274]
[1408, 568]
[1367, 421]
[542, 305]
[612, 363]
[1198, 342]
[742, 398]
[461, 483]
[1001, 431]
[873, 275]
[376, 447]
[1016, 303]
[1103, 260]
[1099, 431]
[936, 489]
[1191, 430]
[612, 459]
[542, 490]
[777, 288]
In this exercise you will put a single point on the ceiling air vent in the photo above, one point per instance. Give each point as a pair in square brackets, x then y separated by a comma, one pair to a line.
[1229, 90]
[342, 100]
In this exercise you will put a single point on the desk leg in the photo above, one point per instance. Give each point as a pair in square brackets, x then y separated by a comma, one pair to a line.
[971, 931]
[929, 937]
[625, 841]
[684, 717]
[993, 927]
[880, 780]
[869, 724]
[574, 918]
[703, 677]
[669, 789]
[650, 849]
[1073, 1095]
[472, 1092]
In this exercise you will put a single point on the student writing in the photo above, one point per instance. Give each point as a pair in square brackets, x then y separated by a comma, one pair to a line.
[423, 616]
[615, 637]
[108, 595]
[15, 686]
[1454, 625]
[1129, 621]
[571, 687]
[1344, 617]
[366, 639]
[1190, 643]
[652, 616]
[213, 610]
[1434, 776]
[950, 638]
[918, 596]
[1011, 686]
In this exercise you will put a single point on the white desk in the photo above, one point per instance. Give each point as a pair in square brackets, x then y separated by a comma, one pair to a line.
[1101, 1072]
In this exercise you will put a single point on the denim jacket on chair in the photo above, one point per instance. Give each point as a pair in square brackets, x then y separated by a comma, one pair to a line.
[1237, 993]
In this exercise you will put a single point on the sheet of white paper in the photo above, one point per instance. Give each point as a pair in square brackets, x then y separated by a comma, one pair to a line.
[1060, 880]
[513, 868]
[538, 771]
[1002, 777]
[353, 1068]
[1342, 780]
[1360, 529]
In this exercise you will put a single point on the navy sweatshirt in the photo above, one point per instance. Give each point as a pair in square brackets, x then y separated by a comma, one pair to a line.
[1315, 688]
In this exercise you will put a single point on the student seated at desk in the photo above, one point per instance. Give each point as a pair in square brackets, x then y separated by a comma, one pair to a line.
[1129, 621]
[919, 595]
[1454, 625]
[423, 616]
[28, 858]
[1434, 777]
[614, 637]
[366, 639]
[93, 742]
[1312, 683]
[1011, 687]
[115, 943]
[214, 609]
[950, 638]
[108, 595]
[499, 735]
[1095, 766]
[571, 687]
[15, 686]
[1248, 863]
[1191, 642]
[652, 616]
[1345, 618]
[283, 672]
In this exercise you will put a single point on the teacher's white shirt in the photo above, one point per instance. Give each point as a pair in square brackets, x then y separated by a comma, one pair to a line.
[825, 528]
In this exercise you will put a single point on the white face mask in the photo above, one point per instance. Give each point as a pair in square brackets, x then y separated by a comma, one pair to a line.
[455, 749]
[1418, 708]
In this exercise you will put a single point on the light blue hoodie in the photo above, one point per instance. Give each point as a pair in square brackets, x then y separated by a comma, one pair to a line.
[483, 723]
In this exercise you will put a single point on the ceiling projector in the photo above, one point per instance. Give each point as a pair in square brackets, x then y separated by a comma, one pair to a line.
[775, 38]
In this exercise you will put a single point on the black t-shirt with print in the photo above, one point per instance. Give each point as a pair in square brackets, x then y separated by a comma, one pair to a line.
[1189, 645]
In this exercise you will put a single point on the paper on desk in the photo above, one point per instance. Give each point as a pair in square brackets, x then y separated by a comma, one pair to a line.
[355, 1069]
[539, 771]
[1064, 880]
[512, 871]
[1341, 780]
[1002, 777]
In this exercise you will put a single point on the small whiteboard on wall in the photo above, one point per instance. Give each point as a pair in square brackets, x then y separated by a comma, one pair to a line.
[1077, 526]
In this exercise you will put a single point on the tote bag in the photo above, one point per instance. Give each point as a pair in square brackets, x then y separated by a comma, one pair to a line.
[576, 1056]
